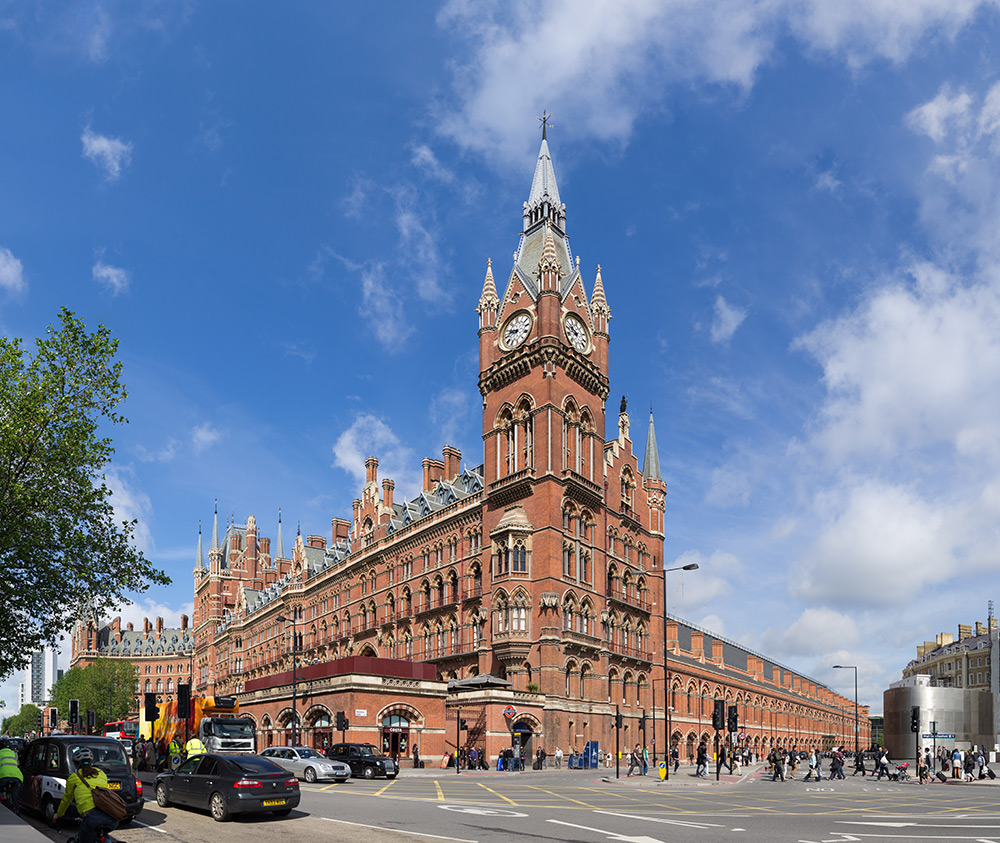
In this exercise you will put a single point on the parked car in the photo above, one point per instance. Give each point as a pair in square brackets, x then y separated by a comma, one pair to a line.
[229, 784]
[306, 763]
[364, 759]
[47, 763]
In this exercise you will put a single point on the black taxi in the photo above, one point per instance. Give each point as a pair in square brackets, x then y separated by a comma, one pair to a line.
[46, 764]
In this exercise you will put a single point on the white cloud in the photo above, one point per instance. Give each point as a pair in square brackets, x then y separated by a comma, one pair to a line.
[204, 436]
[131, 503]
[608, 61]
[109, 155]
[729, 487]
[97, 35]
[382, 307]
[828, 182]
[418, 245]
[370, 436]
[449, 411]
[815, 631]
[113, 278]
[424, 158]
[726, 320]
[688, 591]
[915, 364]
[164, 454]
[881, 545]
[942, 115]
[136, 613]
[11, 272]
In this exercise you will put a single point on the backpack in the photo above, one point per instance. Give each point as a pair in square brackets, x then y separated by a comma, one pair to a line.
[108, 801]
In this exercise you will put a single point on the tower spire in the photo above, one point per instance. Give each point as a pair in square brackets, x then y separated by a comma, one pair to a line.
[281, 541]
[199, 564]
[215, 528]
[651, 462]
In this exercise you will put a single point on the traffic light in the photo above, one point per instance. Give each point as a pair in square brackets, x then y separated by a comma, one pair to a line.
[41, 721]
[184, 701]
[152, 709]
[91, 720]
[619, 720]
[53, 718]
[74, 713]
[342, 722]
[733, 723]
[719, 715]
[915, 718]
[642, 722]
[462, 725]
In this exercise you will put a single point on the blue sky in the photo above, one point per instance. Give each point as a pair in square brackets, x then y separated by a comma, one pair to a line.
[285, 216]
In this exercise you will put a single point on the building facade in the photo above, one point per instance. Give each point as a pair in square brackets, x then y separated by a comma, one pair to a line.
[39, 677]
[949, 716]
[522, 596]
[964, 662]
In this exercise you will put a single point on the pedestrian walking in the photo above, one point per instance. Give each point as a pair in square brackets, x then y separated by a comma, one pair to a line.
[634, 761]
[859, 764]
[777, 765]
[813, 767]
[702, 759]
[559, 758]
[675, 756]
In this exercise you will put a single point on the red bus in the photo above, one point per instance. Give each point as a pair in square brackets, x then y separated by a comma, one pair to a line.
[124, 730]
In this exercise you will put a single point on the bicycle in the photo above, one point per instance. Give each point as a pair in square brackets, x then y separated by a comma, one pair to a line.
[8, 795]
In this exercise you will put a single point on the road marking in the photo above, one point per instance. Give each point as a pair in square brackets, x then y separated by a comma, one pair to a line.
[561, 796]
[913, 825]
[495, 793]
[150, 827]
[482, 812]
[384, 789]
[611, 834]
[685, 823]
[397, 830]
[440, 793]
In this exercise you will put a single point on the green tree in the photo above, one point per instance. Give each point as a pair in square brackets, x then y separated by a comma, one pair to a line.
[107, 686]
[25, 721]
[62, 551]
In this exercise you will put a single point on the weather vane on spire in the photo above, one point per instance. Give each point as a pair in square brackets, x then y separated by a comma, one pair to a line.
[544, 120]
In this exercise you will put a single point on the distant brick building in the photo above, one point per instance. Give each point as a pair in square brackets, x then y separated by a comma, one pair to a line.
[525, 591]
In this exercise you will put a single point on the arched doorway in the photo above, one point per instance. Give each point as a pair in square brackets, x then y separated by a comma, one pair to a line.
[520, 739]
[395, 736]
[322, 732]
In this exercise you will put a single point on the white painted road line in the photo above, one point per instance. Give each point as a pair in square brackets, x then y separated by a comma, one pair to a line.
[665, 820]
[150, 827]
[610, 834]
[397, 830]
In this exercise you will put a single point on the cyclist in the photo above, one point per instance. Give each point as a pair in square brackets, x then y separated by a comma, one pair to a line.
[10, 775]
[79, 790]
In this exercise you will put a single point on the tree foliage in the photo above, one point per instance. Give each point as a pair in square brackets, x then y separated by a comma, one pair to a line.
[107, 686]
[61, 545]
[22, 723]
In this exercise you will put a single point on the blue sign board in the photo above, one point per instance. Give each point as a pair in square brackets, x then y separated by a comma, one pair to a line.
[939, 735]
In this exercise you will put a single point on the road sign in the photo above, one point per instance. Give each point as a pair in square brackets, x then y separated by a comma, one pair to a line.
[663, 770]
[940, 735]
[509, 711]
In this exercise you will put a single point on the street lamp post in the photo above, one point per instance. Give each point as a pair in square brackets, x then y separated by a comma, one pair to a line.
[857, 734]
[667, 708]
[295, 677]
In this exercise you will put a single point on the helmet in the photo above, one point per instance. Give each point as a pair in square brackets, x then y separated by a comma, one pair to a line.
[82, 756]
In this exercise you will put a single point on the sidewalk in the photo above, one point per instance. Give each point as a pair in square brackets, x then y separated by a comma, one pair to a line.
[15, 830]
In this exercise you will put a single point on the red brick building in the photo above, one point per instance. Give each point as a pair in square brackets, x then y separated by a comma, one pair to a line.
[526, 591]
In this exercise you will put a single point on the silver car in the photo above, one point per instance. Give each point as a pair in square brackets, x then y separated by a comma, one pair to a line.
[306, 763]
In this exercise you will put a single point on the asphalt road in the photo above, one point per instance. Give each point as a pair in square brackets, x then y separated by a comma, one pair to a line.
[582, 807]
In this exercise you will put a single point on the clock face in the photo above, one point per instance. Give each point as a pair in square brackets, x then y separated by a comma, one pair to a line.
[576, 332]
[517, 330]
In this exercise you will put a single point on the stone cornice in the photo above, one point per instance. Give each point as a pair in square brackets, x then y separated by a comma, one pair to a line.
[518, 365]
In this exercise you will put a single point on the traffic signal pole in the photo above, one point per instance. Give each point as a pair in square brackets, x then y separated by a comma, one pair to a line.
[618, 721]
